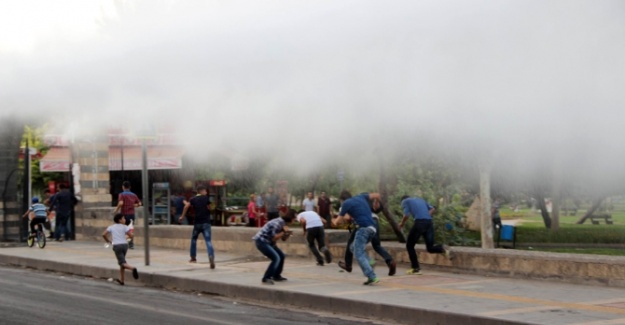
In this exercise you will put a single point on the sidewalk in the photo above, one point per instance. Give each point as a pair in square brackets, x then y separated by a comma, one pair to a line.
[432, 298]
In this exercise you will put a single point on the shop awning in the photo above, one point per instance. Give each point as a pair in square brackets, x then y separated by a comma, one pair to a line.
[159, 157]
[58, 159]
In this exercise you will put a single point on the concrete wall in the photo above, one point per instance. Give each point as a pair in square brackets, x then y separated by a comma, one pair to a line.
[10, 136]
[571, 268]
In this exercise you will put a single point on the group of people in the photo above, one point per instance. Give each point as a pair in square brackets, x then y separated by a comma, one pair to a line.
[360, 211]
[62, 203]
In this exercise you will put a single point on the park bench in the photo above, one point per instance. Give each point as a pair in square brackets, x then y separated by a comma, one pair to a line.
[595, 218]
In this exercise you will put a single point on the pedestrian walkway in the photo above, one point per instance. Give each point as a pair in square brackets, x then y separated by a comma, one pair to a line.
[432, 298]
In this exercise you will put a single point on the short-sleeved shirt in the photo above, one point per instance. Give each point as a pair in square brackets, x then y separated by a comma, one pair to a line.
[39, 209]
[118, 233]
[271, 201]
[416, 207]
[129, 199]
[200, 205]
[324, 206]
[309, 205]
[270, 230]
[312, 219]
[358, 208]
[251, 210]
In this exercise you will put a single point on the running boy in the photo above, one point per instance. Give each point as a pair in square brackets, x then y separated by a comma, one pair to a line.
[118, 233]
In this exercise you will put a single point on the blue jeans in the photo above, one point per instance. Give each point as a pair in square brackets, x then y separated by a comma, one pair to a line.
[362, 238]
[275, 255]
[375, 243]
[204, 229]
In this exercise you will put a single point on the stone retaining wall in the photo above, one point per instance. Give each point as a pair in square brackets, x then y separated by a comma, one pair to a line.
[571, 268]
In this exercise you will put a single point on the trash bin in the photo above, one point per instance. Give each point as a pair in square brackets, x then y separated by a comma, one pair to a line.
[507, 233]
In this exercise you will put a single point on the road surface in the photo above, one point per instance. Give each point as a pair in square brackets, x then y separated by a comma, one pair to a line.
[35, 297]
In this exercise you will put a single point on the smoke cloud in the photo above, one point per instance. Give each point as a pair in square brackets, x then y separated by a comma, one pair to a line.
[316, 80]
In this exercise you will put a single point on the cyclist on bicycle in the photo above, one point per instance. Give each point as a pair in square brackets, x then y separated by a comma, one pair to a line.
[40, 212]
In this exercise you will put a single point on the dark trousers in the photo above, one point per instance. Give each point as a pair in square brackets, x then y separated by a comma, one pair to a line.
[316, 234]
[375, 243]
[273, 215]
[60, 227]
[425, 228]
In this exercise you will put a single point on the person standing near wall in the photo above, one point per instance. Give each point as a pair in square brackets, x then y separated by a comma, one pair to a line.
[202, 224]
[62, 202]
[127, 201]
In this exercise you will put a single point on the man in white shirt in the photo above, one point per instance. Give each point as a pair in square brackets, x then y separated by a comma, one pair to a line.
[308, 204]
[312, 224]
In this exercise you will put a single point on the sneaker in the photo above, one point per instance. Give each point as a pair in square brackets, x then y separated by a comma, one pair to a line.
[119, 281]
[135, 273]
[392, 268]
[371, 281]
[414, 271]
[279, 278]
[344, 266]
[267, 281]
[328, 256]
[320, 263]
[192, 260]
[211, 260]
[447, 254]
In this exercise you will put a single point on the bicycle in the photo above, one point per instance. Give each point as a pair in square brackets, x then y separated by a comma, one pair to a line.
[39, 236]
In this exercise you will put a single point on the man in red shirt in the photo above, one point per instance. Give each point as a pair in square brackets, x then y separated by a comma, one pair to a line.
[323, 208]
[126, 203]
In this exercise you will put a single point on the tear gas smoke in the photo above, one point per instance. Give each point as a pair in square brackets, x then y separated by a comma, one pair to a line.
[314, 80]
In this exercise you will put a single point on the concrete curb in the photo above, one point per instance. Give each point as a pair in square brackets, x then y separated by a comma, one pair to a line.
[268, 295]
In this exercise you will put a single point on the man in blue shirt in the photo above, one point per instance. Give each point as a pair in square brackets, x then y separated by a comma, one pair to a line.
[421, 211]
[357, 208]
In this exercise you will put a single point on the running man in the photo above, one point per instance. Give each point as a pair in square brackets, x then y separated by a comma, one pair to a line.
[421, 211]
[357, 209]
[376, 243]
[313, 224]
[126, 203]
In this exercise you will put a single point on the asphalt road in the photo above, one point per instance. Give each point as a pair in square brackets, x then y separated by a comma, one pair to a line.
[35, 297]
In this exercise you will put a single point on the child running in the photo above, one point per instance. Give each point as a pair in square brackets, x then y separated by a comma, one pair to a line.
[118, 233]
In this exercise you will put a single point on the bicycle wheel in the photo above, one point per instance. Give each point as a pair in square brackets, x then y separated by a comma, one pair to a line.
[30, 241]
[41, 239]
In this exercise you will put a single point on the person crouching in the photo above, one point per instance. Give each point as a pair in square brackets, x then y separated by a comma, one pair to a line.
[266, 242]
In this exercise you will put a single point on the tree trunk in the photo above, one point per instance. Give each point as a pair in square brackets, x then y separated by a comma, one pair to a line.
[590, 211]
[540, 198]
[557, 195]
[383, 189]
[486, 224]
